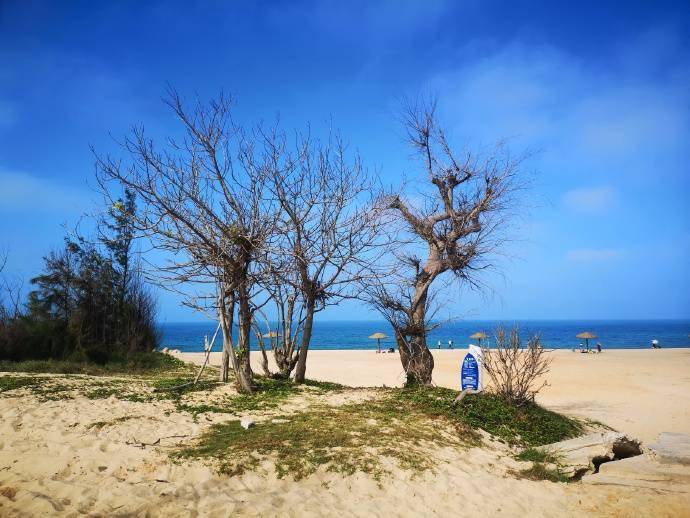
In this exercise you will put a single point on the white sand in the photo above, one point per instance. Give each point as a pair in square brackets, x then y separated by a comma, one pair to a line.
[53, 462]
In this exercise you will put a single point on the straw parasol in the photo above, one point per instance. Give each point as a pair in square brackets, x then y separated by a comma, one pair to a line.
[586, 336]
[479, 336]
[378, 337]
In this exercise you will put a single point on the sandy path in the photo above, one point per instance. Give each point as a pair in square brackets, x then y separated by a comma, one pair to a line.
[640, 392]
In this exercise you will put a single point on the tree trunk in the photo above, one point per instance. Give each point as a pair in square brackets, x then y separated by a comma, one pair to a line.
[420, 363]
[240, 358]
[301, 368]
[225, 360]
[243, 369]
[225, 317]
[264, 357]
[417, 360]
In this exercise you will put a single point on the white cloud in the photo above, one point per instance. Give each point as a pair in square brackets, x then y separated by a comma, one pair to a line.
[24, 192]
[593, 199]
[591, 255]
[620, 120]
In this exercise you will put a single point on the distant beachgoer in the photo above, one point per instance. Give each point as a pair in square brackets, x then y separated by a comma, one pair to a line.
[439, 344]
[598, 347]
[655, 344]
[450, 344]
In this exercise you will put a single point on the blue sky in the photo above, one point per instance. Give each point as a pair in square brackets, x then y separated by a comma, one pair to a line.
[600, 90]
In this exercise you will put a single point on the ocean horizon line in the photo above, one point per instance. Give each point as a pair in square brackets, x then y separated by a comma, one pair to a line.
[456, 320]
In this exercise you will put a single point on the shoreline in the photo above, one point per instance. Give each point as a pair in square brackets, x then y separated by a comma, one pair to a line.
[432, 349]
[643, 392]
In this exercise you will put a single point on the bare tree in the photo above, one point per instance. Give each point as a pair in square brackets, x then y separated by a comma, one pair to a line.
[203, 202]
[458, 226]
[281, 283]
[517, 372]
[326, 235]
[10, 293]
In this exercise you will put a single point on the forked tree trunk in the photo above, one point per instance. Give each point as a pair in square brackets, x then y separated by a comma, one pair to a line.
[238, 359]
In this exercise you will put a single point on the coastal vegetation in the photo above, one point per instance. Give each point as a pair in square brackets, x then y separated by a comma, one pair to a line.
[255, 218]
[299, 429]
[454, 231]
[264, 218]
[258, 217]
[517, 373]
[88, 306]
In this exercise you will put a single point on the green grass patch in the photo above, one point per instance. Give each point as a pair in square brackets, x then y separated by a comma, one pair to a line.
[16, 382]
[535, 455]
[270, 393]
[172, 388]
[117, 390]
[142, 364]
[593, 423]
[344, 439]
[325, 386]
[539, 471]
[528, 424]
[99, 425]
[352, 437]
[45, 388]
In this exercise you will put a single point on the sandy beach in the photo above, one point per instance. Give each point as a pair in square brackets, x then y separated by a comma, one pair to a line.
[642, 392]
[110, 457]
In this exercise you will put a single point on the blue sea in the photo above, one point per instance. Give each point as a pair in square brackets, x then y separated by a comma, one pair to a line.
[557, 334]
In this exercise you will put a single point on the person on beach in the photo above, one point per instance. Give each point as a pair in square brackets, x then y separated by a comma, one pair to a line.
[450, 344]
[439, 344]
[598, 347]
[655, 344]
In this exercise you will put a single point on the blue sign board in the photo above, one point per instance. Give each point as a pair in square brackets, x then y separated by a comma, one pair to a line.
[469, 373]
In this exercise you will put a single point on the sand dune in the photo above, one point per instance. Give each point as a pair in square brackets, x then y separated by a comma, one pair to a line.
[109, 457]
[643, 392]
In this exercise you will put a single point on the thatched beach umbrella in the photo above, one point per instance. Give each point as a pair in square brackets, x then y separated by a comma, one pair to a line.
[586, 336]
[378, 337]
[479, 336]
